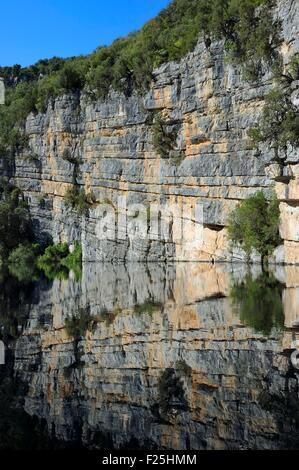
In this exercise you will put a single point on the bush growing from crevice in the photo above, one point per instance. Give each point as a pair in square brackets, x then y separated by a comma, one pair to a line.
[41, 201]
[68, 155]
[163, 139]
[109, 316]
[254, 225]
[149, 307]
[77, 199]
[279, 123]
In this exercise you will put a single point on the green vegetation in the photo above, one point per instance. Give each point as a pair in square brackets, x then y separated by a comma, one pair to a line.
[279, 124]
[77, 199]
[108, 316]
[51, 262]
[259, 303]
[22, 263]
[17, 253]
[251, 40]
[57, 261]
[19, 102]
[41, 202]
[149, 307]
[15, 220]
[254, 225]
[78, 325]
[73, 261]
[251, 34]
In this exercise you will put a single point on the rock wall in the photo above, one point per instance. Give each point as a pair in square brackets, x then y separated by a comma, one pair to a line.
[212, 108]
[240, 389]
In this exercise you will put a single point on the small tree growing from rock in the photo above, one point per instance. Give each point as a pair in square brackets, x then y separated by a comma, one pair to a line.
[254, 225]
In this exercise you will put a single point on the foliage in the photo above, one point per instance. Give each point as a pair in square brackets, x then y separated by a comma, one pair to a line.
[73, 261]
[251, 34]
[108, 316]
[15, 220]
[41, 202]
[17, 253]
[17, 74]
[50, 261]
[16, 237]
[254, 225]
[279, 123]
[128, 63]
[57, 261]
[77, 199]
[259, 303]
[149, 307]
[22, 263]
[19, 102]
[78, 325]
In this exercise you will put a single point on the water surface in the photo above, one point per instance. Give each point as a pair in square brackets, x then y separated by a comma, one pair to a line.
[186, 356]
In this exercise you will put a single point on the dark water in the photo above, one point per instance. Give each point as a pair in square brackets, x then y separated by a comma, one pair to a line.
[187, 356]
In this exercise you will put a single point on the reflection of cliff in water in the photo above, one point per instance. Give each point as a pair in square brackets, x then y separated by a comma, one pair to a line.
[158, 356]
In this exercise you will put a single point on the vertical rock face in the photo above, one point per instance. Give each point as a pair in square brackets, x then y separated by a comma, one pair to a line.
[108, 387]
[211, 107]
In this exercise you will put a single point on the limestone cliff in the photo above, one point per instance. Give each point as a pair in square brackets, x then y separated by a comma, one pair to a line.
[212, 107]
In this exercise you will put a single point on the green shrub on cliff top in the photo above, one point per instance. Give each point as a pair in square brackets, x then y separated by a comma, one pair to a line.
[171, 35]
[251, 37]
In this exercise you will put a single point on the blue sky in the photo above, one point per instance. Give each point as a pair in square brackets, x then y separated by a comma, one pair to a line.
[32, 30]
